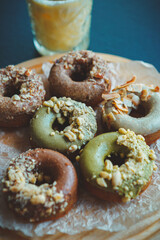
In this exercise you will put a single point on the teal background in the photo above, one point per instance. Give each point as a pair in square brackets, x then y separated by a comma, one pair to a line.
[128, 28]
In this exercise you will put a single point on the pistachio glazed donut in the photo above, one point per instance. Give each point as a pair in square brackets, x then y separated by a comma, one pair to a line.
[117, 166]
[118, 110]
[63, 125]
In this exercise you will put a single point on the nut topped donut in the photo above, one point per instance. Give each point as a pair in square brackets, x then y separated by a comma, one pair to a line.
[117, 166]
[135, 107]
[63, 124]
[40, 184]
[81, 76]
[21, 93]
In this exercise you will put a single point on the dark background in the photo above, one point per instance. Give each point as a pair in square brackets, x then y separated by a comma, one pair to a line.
[128, 28]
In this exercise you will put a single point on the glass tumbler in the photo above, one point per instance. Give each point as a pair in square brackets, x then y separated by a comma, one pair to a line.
[60, 26]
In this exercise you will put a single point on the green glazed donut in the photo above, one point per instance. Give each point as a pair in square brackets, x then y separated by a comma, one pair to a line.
[63, 125]
[117, 165]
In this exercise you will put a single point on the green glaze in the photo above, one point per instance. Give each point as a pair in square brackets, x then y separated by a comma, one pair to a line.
[41, 127]
[80, 121]
[95, 152]
[134, 172]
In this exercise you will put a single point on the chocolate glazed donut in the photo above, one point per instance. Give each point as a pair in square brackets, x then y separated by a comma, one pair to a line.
[80, 75]
[40, 184]
[21, 93]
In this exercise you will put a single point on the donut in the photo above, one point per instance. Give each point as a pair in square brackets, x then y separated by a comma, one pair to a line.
[62, 124]
[135, 107]
[21, 93]
[80, 75]
[40, 185]
[117, 166]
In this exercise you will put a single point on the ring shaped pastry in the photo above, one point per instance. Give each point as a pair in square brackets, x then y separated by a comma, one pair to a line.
[40, 184]
[117, 112]
[82, 76]
[63, 125]
[117, 166]
[21, 93]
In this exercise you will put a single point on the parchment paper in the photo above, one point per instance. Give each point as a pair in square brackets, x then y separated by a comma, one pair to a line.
[88, 213]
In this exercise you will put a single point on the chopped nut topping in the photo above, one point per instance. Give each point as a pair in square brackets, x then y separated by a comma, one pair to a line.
[73, 148]
[53, 99]
[116, 179]
[80, 118]
[144, 95]
[48, 103]
[126, 188]
[77, 158]
[61, 120]
[27, 83]
[152, 155]
[122, 131]
[135, 172]
[80, 136]
[105, 175]
[110, 96]
[115, 167]
[101, 182]
[126, 199]
[16, 97]
[59, 197]
[126, 84]
[108, 165]
[154, 167]
[52, 133]
[140, 181]
[38, 199]
[70, 135]
[130, 194]
[56, 108]
[25, 175]
[48, 110]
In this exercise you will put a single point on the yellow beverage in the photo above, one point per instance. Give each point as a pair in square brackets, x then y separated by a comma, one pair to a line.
[60, 26]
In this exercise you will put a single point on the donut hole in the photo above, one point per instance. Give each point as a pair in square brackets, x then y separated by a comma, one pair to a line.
[117, 158]
[44, 176]
[11, 90]
[60, 125]
[81, 72]
[141, 111]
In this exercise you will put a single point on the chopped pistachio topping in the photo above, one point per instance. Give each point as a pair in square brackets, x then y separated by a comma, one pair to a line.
[80, 120]
[130, 178]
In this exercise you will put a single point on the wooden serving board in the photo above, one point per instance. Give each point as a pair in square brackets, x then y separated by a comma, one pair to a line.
[37, 62]
[149, 229]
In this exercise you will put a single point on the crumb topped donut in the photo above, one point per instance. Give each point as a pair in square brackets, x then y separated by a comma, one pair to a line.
[80, 75]
[123, 106]
[21, 93]
[117, 166]
[63, 124]
[40, 184]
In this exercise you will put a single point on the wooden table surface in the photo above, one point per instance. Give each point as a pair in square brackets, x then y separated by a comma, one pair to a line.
[149, 228]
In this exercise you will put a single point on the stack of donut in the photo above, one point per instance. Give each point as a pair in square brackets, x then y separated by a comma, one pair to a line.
[41, 184]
